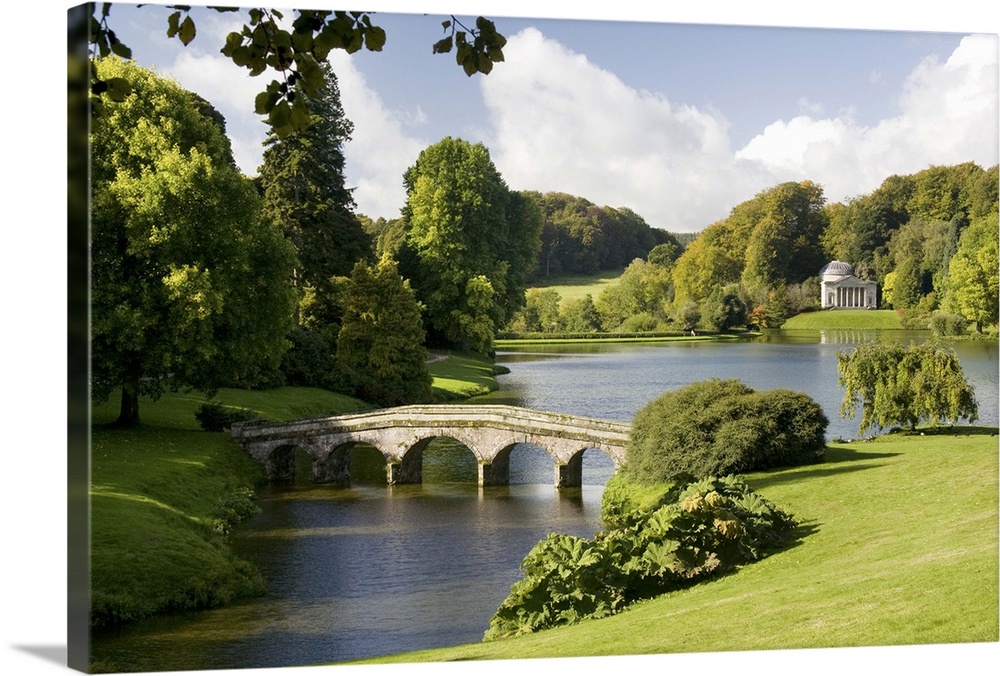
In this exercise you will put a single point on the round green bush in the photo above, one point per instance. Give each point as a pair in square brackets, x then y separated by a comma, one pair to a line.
[718, 427]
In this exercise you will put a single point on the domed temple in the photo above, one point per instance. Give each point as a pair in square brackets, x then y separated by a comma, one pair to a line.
[840, 288]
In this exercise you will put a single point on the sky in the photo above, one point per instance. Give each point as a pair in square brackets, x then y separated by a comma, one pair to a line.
[678, 121]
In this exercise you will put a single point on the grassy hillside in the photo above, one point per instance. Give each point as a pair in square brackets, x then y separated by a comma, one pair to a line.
[845, 319]
[900, 547]
[571, 287]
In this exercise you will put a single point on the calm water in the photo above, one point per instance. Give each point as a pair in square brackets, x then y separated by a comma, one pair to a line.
[373, 569]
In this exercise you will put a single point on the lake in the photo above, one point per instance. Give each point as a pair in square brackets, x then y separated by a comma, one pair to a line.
[374, 569]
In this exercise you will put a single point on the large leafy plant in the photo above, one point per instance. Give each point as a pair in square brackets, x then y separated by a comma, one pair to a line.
[700, 529]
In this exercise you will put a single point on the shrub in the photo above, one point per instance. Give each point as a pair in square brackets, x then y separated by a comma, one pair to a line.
[722, 427]
[695, 531]
[214, 416]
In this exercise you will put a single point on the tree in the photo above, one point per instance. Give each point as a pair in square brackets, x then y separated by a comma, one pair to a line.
[264, 42]
[784, 245]
[643, 289]
[189, 284]
[724, 309]
[579, 236]
[540, 311]
[973, 284]
[380, 345]
[579, 315]
[469, 243]
[305, 194]
[896, 385]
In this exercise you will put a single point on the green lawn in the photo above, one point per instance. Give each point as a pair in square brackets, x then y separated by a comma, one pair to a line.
[899, 547]
[845, 319]
[572, 287]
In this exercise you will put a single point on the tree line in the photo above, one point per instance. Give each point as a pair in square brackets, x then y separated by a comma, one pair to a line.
[928, 239]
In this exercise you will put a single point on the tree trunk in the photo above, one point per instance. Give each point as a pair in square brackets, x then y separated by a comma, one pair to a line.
[128, 415]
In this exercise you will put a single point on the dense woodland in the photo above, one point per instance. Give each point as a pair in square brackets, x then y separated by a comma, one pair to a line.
[205, 278]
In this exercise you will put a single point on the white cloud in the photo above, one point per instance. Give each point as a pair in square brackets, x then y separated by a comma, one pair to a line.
[381, 147]
[563, 124]
[949, 114]
[806, 107]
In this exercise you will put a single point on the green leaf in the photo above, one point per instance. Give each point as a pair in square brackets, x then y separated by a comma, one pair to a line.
[173, 24]
[264, 102]
[442, 46]
[122, 50]
[375, 39]
[187, 31]
[280, 116]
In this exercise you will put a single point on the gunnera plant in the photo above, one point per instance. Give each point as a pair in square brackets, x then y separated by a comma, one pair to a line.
[703, 528]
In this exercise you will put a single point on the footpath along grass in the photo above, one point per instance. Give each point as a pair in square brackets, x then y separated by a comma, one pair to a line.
[162, 493]
[899, 547]
[845, 319]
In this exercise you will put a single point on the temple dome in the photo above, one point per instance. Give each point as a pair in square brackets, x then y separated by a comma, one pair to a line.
[836, 269]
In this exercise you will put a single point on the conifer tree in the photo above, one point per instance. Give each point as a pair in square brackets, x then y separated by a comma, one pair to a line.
[306, 195]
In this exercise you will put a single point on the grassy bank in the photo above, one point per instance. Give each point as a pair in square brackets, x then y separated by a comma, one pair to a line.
[459, 375]
[164, 494]
[899, 548]
[845, 319]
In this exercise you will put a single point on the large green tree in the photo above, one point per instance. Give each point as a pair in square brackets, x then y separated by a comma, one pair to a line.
[306, 195]
[189, 283]
[380, 345]
[784, 245]
[469, 243]
[643, 289]
[897, 385]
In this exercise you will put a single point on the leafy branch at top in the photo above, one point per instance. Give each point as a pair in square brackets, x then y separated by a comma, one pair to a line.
[477, 56]
[295, 53]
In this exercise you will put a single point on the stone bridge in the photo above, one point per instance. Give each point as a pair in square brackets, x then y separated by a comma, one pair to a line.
[401, 434]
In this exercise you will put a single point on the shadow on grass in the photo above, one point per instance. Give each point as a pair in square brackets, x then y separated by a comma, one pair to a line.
[835, 461]
[947, 431]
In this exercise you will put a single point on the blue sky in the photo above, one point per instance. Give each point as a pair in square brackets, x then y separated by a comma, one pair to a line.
[678, 121]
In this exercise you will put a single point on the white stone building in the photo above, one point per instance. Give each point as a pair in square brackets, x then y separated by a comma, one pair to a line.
[839, 288]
